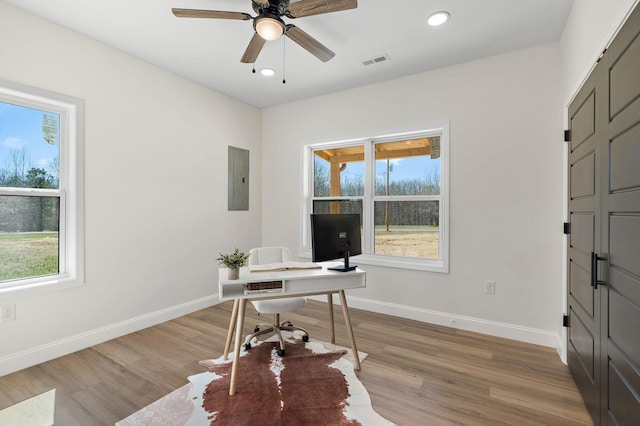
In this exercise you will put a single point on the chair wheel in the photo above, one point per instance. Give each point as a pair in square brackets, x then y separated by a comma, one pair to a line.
[247, 346]
[305, 338]
[255, 330]
[280, 352]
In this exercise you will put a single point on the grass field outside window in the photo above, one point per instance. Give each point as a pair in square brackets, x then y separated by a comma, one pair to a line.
[28, 254]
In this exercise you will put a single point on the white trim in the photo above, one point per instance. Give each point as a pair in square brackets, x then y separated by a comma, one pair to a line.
[477, 325]
[27, 358]
[430, 265]
[37, 285]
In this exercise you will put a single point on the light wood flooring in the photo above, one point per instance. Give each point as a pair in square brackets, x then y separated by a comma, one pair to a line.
[416, 373]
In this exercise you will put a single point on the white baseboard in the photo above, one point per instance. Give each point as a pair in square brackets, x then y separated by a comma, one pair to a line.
[18, 361]
[492, 328]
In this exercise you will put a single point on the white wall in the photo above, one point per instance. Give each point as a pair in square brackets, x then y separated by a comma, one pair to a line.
[506, 205]
[591, 26]
[156, 190]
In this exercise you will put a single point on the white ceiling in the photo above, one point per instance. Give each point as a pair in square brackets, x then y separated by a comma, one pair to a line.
[208, 51]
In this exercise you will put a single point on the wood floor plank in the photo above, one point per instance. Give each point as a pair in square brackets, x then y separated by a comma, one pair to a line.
[415, 373]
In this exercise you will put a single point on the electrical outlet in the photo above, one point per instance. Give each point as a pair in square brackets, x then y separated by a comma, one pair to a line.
[8, 312]
[490, 287]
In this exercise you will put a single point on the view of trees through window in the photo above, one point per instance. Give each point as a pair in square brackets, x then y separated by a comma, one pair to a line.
[29, 192]
[405, 193]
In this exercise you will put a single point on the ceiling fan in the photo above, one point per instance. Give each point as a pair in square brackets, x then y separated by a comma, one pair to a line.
[269, 25]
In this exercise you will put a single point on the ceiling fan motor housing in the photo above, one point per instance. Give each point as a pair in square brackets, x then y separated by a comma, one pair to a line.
[271, 8]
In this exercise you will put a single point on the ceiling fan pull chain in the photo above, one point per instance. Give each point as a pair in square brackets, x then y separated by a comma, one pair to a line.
[284, 68]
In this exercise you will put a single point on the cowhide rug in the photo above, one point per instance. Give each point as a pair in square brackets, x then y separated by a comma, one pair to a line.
[313, 384]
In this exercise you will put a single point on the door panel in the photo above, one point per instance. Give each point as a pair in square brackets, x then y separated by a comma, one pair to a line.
[581, 289]
[622, 367]
[583, 182]
[624, 406]
[623, 73]
[624, 323]
[625, 154]
[582, 344]
[582, 120]
[584, 211]
[583, 232]
[624, 243]
[581, 241]
[621, 228]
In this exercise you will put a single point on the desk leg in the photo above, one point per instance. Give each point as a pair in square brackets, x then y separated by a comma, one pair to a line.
[236, 352]
[333, 328]
[232, 327]
[347, 319]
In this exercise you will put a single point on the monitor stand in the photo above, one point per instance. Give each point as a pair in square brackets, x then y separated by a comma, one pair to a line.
[346, 267]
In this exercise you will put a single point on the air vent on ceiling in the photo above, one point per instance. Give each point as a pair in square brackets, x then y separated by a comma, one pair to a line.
[376, 60]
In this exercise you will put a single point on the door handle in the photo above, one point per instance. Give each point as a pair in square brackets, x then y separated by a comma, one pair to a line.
[594, 270]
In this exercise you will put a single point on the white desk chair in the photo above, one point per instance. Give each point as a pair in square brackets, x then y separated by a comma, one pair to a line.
[260, 256]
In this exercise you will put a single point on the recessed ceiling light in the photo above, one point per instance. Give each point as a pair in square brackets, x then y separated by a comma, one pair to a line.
[267, 72]
[438, 18]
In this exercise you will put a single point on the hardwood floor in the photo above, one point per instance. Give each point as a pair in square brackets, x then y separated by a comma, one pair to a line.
[416, 373]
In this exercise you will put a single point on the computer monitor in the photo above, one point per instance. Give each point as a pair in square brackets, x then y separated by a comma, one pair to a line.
[335, 236]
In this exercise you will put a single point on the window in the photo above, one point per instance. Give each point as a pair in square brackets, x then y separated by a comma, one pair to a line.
[41, 188]
[397, 184]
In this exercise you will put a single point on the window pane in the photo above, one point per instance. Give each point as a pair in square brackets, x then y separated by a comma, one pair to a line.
[407, 228]
[339, 172]
[28, 236]
[336, 207]
[29, 147]
[409, 167]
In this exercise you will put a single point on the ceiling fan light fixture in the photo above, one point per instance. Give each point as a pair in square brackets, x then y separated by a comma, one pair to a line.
[438, 18]
[269, 28]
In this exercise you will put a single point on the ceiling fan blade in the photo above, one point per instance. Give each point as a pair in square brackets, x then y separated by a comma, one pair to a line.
[253, 49]
[315, 7]
[309, 43]
[214, 14]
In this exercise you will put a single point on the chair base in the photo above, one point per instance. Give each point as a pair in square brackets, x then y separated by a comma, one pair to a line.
[275, 328]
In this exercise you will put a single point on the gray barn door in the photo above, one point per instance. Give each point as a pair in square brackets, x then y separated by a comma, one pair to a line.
[584, 239]
[621, 227]
[604, 240]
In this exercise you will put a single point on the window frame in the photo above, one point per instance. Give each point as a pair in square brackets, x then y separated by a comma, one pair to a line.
[70, 188]
[369, 198]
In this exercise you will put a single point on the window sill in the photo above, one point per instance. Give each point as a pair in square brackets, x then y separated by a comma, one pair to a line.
[403, 263]
[438, 266]
[38, 285]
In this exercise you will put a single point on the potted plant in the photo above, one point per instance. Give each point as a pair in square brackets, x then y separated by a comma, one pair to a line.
[233, 261]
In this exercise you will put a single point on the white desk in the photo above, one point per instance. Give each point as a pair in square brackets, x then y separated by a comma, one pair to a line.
[300, 282]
